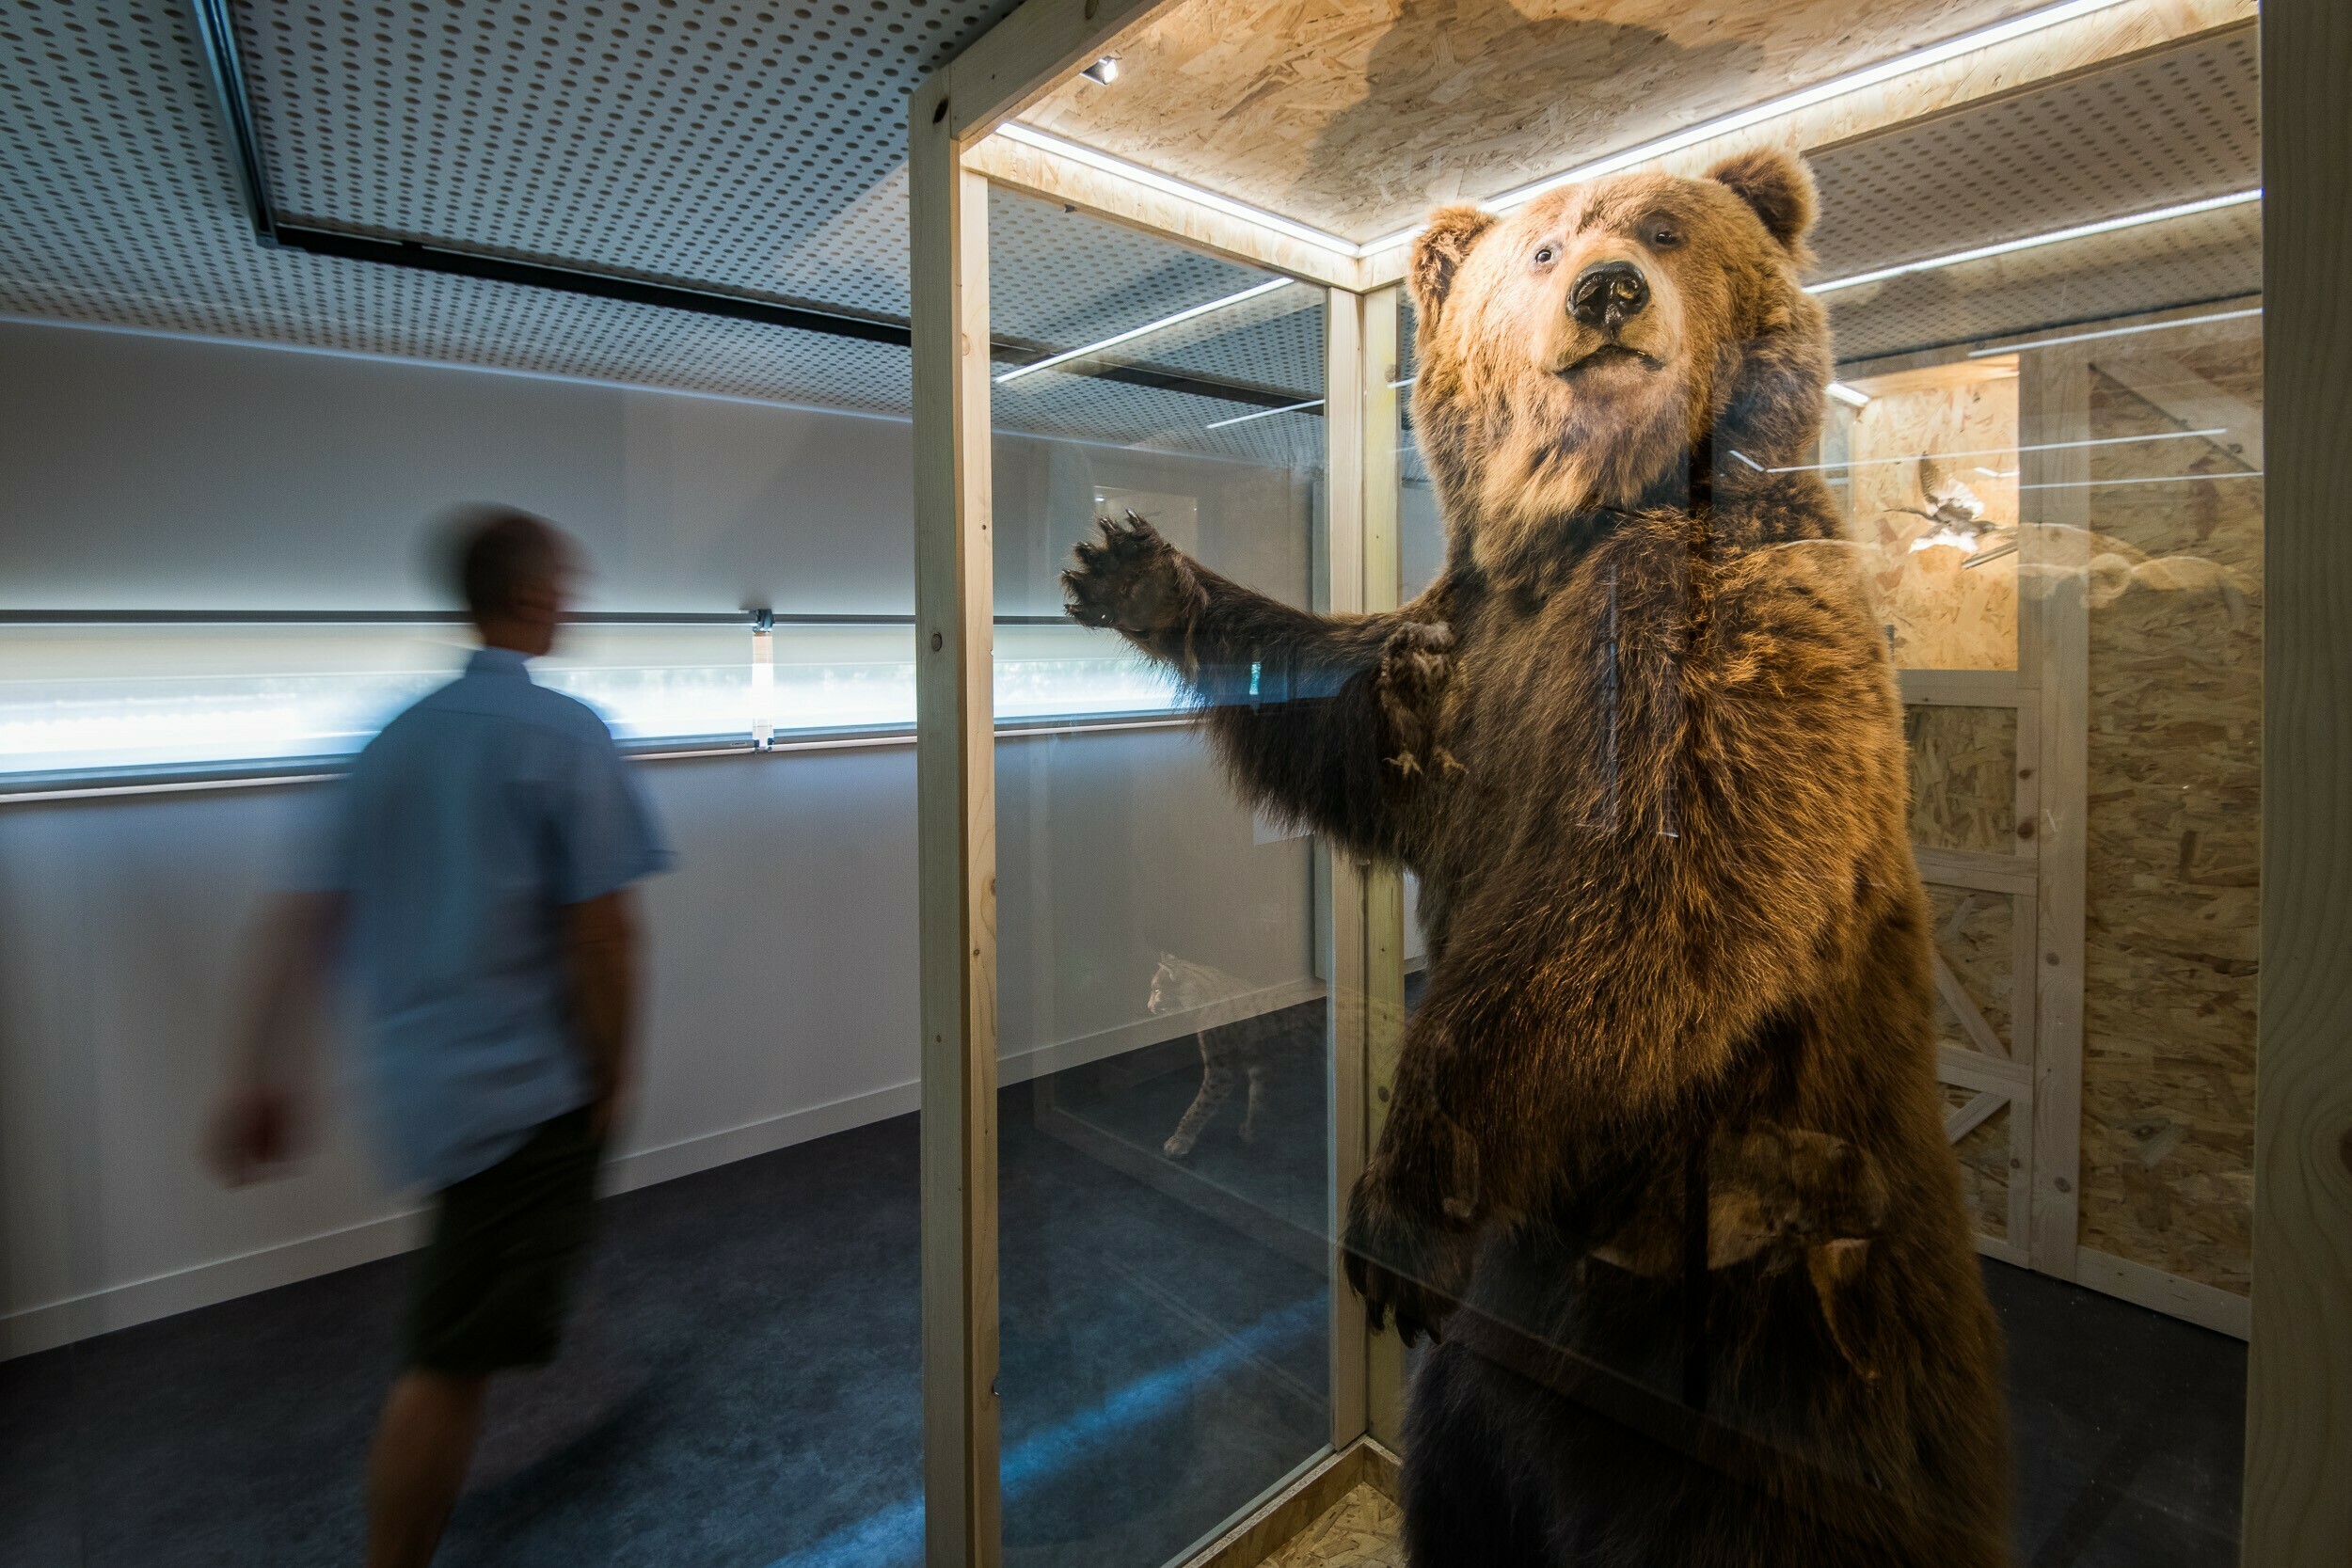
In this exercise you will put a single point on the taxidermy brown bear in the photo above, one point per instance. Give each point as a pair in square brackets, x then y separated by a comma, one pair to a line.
[1665, 1168]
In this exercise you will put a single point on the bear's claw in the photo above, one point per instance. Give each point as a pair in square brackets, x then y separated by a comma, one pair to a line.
[1130, 579]
[1415, 667]
[1411, 1269]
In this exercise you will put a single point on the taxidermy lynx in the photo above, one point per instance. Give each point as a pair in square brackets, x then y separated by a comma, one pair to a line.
[1232, 1044]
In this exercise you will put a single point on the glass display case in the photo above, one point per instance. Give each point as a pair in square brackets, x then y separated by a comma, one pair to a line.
[2041, 453]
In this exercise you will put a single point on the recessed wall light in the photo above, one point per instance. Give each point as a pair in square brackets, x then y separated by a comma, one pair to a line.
[1103, 72]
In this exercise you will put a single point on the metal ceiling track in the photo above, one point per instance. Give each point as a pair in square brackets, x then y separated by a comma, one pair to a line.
[224, 66]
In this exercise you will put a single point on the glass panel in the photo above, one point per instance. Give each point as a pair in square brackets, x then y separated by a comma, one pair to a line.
[1163, 1153]
[1928, 471]
[2175, 783]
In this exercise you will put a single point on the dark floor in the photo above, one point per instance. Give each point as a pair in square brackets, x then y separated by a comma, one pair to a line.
[743, 1388]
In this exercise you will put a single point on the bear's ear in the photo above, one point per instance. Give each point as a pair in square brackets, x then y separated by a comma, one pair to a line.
[1780, 188]
[1439, 252]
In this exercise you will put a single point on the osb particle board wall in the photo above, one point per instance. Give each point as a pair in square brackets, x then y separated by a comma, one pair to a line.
[2174, 813]
[1984, 1156]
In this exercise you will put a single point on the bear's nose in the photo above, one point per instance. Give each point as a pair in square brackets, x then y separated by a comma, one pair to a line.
[1608, 293]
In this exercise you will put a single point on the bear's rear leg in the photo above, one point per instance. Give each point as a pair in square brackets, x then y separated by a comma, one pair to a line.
[1460, 1511]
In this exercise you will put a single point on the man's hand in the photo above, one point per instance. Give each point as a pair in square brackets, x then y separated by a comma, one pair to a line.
[253, 1127]
[259, 1120]
[601, 944]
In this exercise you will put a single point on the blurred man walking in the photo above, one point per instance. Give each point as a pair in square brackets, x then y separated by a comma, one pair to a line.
[476, 889]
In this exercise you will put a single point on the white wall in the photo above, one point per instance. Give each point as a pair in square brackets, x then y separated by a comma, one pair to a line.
[142, 472]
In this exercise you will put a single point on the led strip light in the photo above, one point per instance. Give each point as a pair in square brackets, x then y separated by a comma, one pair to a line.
[2033, 242]
[1144, 331]
[2116, 332]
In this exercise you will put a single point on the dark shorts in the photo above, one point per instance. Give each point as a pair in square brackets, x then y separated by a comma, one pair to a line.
[492, 1287]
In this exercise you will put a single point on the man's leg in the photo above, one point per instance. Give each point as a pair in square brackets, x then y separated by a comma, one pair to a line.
[423, 1446]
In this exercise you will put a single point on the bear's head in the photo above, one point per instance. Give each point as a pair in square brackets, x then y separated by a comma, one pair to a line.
[1575, 352]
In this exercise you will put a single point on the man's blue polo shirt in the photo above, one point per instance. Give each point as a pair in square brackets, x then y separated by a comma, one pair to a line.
[464, 830]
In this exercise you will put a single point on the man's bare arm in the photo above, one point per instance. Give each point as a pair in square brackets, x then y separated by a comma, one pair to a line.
[601, 944]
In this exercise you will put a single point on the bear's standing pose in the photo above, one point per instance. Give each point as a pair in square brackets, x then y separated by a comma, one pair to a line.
[1641, 744]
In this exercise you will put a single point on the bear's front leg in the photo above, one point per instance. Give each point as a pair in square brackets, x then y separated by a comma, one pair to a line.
[1412, 1225]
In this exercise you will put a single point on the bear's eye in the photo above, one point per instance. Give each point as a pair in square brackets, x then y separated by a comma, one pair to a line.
[1544, 256]
[1664, 238]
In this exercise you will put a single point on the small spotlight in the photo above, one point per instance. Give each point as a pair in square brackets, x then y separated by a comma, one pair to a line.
[1103, 72]
[1848, 395]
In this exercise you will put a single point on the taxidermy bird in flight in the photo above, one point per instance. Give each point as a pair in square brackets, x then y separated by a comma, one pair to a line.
[1954, 515]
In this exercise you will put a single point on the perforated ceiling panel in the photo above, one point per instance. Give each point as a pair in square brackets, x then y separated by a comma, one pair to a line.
[117, 206]
[2152, 133]
[1069, 279]
[637, 135]
[2212, 256]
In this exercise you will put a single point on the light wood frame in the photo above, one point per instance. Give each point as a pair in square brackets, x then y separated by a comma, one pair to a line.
[2299, 1414]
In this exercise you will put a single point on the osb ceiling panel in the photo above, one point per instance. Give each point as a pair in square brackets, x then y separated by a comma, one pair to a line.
[2151, 133]
[1358, 116]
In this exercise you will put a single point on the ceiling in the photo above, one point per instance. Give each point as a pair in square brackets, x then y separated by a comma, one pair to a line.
[1364, 113]
[757, 149]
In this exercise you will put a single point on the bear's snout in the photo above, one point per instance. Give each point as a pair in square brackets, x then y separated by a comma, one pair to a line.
[1607, 294]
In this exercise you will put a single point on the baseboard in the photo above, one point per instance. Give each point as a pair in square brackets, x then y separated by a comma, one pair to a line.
[1993, 1246]
[60, 1322]
[2223, 1311]
[51, 1324]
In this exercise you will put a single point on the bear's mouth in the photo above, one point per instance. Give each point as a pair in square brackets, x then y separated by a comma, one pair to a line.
[1609, 353]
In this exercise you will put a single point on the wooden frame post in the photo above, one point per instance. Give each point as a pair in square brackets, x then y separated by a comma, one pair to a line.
[1348, 1018]
[2298, 1416]
[2054, 662]
[1384, 886]
[1367, 915]
[956, 838]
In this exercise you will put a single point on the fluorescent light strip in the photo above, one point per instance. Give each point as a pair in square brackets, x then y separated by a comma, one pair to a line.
[1851, 397]
[2032, 242]
[1145, 330]
[1264, 414]
[2151, 479]
[2115, 332]
[1740, 119]
[1078, 153]
[1998, 451]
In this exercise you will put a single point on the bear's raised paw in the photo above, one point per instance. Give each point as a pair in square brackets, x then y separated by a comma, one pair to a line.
[1132, 581]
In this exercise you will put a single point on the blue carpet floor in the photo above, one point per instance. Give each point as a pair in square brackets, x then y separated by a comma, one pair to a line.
[742, 1390]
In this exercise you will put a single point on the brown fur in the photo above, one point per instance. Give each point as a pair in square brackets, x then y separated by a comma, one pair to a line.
[1641, 744]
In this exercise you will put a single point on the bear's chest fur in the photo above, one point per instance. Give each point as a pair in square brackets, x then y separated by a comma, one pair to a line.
[1572, 694]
